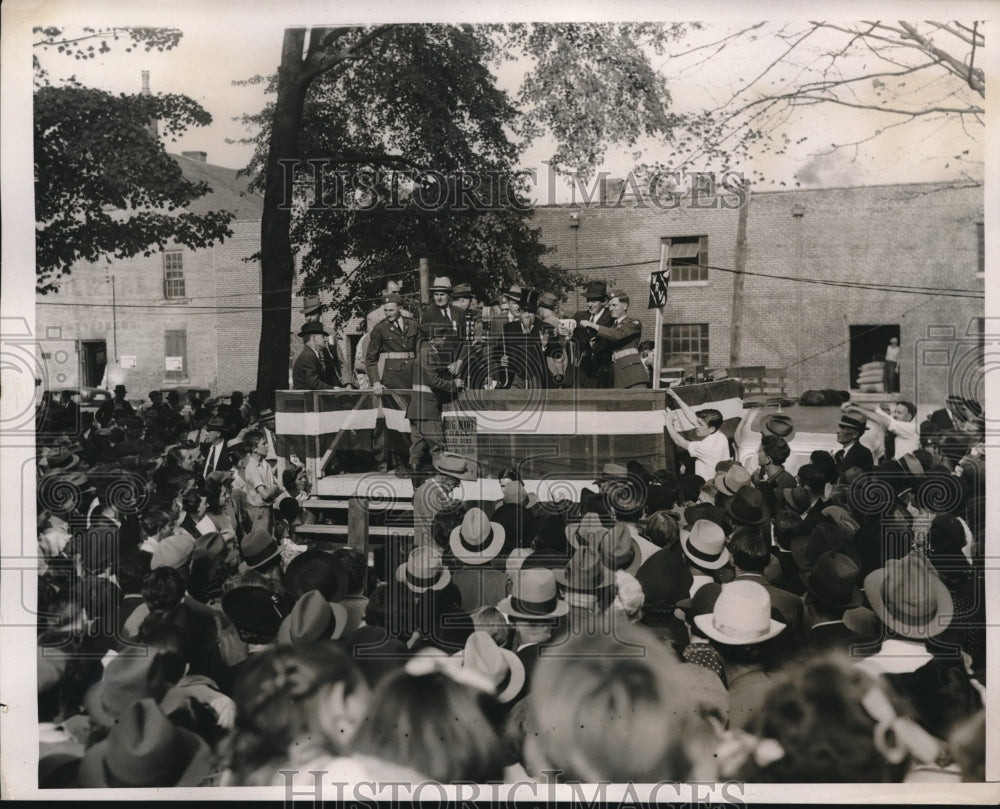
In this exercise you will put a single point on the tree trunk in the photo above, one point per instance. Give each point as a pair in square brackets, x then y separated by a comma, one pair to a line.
[277, 263]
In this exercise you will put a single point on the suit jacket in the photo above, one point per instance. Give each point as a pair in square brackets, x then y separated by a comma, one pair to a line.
[627, 371]
[385, 339]
[432, 314]
[433, 385]
[308, 374]
[595, 358]
[525, 356]
[858, 455]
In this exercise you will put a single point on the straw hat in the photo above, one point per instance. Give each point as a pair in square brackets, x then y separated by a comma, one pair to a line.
[741, 615]
[502, 667]
[477, 540]
[705, 545]
[533, 596]
[423, 570]
[909, 598]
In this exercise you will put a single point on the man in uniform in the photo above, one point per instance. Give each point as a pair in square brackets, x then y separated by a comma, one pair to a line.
[389, 364]
[433, 385]
[622, 338]
[595, 356]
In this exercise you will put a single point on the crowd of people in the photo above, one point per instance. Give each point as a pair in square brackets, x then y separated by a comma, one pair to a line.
[713, 621]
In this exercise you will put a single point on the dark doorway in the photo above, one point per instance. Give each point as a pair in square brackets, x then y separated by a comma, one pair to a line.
[868, 347]
[93, 360]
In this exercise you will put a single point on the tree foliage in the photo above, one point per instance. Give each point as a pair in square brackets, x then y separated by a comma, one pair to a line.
[104, 185]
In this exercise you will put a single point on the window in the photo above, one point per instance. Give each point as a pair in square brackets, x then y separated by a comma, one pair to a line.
[173, 274]
[688, 259]
[685, 344]
[175, 354]
[981, 249]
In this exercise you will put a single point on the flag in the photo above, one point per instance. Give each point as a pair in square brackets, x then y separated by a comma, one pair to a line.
[658, 282]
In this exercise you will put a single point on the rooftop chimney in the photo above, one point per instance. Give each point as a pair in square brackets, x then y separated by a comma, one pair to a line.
[152, 126]
[201, 157]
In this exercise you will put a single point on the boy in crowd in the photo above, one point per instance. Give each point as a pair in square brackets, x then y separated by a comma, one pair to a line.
[711, 446]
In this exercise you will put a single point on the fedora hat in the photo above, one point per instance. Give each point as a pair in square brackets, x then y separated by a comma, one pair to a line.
[258, 548]
[477, 540]
[596, 291]
[859, 422]
[548, 300]
[529, 300]
[612, 471]
[311, 304]
[841, 517]
[780, 425]
[216, 422]
[442, 283]
[456, 466]
[732, 480]
[423, 570]
[834, 580]
[664, 577]
[747, 507]
[588, 532]
[255, 609]
[515, 559]
[706, 511]
[705, 545]
[462, 291]
[619, 550]
[315, 569]
[210, 544]
[826, 536]
[173, 551]
[909, 598]
[515, 293]
[312, 618]
[798, 497]
[502, 667]
[585, 572]
[128, 677]
[61, 460]
[311, 327]
[145, 749]
[533, 596]
[741, 615]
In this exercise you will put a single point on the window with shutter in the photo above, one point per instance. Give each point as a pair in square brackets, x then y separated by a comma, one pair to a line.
[688, 258]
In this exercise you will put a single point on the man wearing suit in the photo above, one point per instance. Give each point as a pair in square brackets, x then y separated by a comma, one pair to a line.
[444, 312]
[433, 385]
[595, 355]
[519, 354]
[389, 364]
[622, 338]
[853, 454]
[315, 368]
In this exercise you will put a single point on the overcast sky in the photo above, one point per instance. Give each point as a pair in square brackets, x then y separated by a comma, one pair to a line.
[225, 42]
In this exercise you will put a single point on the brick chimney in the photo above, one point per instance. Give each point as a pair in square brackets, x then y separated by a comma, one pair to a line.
[152, 127]
[201, 157]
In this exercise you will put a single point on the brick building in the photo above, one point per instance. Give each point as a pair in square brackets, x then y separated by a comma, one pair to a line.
[180, 318]
[906, 237]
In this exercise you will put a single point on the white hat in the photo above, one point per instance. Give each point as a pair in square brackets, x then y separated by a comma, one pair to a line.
[705, 545]
[423, 570]
[741, 615]
[477, 540]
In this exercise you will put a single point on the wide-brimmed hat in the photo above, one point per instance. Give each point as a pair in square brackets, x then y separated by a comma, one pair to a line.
[834, 580]
[312, 618]
[859, 422]
[217, 423]
[548, 300]
[501, 667]
[588, 532]
[477, 540]
[664, 577]
[311, 327]
[533, 596]
[596, 291]
[585, 572]
[423, 570]
[732, 480]
[462, 291]
[612, 471]
[173, 551]
[705, 545]
[456, 466]
[128, 677]
[619, 550]
[515, 293]
[315, 569]
[311, 304]
[747, 507]
[842, 517]
[145, 749]
[798, 497]
[826, 536]
[780, 425]
[741, 615]
[441, 283]
[210, 544]
[515, 559]
[258, 548]
[707, 511]
[255, 609]
[909, 598]
[60, 460]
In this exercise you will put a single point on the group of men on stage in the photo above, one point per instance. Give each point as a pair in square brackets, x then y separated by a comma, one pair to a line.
[520, 344]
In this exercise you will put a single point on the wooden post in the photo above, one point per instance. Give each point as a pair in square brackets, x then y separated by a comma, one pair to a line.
[658, 334]
[739, 265]
[425, 282]
[357, 525]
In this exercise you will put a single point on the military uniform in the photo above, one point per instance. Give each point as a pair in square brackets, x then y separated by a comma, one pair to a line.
[390, 354]
[433, 385]
[622, 341]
